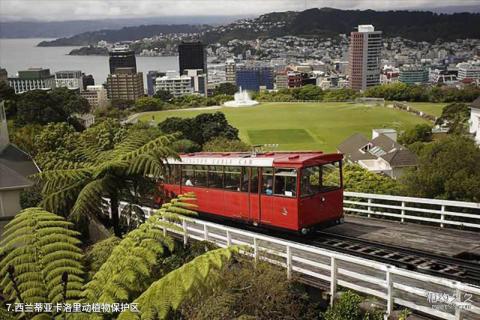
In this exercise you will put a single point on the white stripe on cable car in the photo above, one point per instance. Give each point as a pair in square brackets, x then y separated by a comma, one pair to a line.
[224, 161]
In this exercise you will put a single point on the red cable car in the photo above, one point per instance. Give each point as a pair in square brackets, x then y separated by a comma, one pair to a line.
[296, 191]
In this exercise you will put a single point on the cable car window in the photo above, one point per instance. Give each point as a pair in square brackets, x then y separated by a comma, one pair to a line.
[201, 174]
[245, 180]
[267, 181]
[232, 180]
[173, 174]
[310, 181]
[254, 180]
[331, 176]
[285, 182]
[215, 177]
[187, 175]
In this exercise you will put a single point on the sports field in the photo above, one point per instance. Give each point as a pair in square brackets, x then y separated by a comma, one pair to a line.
[303, 126]
[434, 109]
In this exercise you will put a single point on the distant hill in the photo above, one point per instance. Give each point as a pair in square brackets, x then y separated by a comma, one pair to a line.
[124, 34]
[325, 22]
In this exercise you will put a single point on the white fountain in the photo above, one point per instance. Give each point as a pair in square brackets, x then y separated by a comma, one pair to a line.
[241, 99]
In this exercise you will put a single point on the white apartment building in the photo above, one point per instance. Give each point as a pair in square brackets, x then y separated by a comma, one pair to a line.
[32, 79]
[177, 85]
[198, 80]
[69, 79]
[468, 70]
[96, 96]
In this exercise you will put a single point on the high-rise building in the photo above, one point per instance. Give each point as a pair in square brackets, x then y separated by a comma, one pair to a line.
[175, 84]
[96, 96]
[230, 71]
[192, 55]
[364, 57]
[122, 58]
[32, 79]
[125, 84]
[411, 74]
[151, 78]
[87, 80]
[198, 80]
[69, 79]
[255, 78]
[468, 71]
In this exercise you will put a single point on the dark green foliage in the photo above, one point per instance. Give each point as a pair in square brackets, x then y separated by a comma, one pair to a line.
[404, 92]
[148, 104]
[347, 308]
[163, 95]
[225, 88]
[7, 94]
[249, 291]
[57, 105]
[202, 128]
[185, 146]
[455, 116]
[31, 197]
[419, 133]
[307, 93]
[221, 144]
[358, 179]
[41, 246]
[447, 169]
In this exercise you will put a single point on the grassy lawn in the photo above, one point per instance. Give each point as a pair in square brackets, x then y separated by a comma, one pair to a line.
[434, 109]
[303, 126]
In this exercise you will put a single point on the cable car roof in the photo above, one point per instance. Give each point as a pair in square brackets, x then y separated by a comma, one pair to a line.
[267, 159]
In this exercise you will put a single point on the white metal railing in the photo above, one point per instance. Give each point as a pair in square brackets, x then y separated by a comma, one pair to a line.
[393, 285]
[442, 212]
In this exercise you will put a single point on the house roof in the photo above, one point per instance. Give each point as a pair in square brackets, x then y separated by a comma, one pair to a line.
[380, 147]
[400, 158]
[15, 167]
[351, 148]
[10, 179]
[476, 103]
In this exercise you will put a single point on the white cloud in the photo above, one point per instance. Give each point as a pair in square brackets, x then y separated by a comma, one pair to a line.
[98, 9]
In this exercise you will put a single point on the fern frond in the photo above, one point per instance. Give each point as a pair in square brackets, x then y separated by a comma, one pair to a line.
[170, 291]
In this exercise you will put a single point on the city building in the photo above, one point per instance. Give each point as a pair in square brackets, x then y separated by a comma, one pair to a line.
[364, 57]
[3, 75]
[475, 120]
[192, 55]
[412, 74]
[125, 84]
[87, 80]
[255, 78]
[32, 79]
[198, 80]
[96, 96]
[175, 84]
[382, 154]
[151, 78]
[15, 168]
[230, 71]
[69, 79]
[295, 79]
[281, 80]
[468, 71]
[122, 58]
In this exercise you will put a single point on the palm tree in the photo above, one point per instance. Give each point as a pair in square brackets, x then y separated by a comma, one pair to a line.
[44, 248]
[81, 188]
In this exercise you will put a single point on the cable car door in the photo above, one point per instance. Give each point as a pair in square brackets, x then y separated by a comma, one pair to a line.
[254, 196]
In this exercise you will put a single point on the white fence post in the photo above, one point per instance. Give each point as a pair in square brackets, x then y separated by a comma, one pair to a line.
[185, 232]
[333, 279]
[389, 291]
[229, 239]
[442, 216]
[458, 308]
[255, 249]
[205, 232]
[289, 263]
[369, 208]
[164, 228]
[403, 212]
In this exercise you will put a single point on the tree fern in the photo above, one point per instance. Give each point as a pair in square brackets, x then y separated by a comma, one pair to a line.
[129, 269]
[170, 291]
[40, 246]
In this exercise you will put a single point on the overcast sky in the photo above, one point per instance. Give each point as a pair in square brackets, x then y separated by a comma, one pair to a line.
[54, 10]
